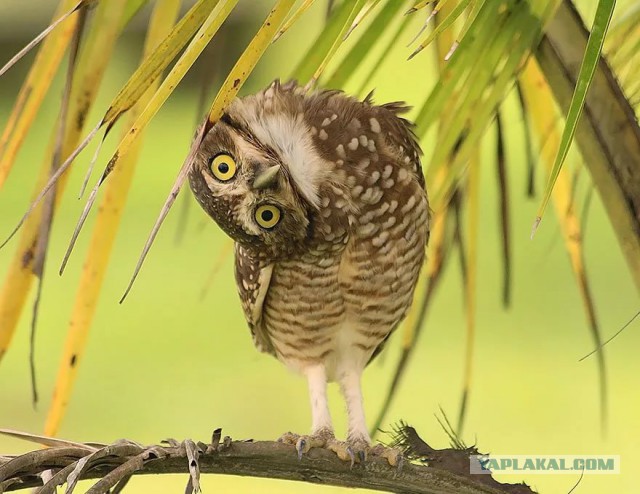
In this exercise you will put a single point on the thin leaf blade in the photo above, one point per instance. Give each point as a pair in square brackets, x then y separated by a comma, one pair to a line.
[104, 233]
[206, 32]
[157, 61]
[540, 101]
[88, 74]
[229, 90]
[587, 70]
[34, 89]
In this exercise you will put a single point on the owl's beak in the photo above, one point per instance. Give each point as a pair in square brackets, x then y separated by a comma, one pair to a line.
[267, 178]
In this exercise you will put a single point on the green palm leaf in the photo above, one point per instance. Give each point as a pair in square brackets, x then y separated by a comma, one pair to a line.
[601, 22]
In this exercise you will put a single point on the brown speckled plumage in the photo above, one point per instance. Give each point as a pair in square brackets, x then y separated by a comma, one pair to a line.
[324, 288]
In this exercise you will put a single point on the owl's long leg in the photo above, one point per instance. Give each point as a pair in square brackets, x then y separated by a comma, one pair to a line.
[358, 439]
[321, 424]
[357, 435]
[320, 415]
[352, 392]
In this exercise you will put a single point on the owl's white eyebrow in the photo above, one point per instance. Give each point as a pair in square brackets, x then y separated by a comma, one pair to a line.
[245, 132]
[290, 141]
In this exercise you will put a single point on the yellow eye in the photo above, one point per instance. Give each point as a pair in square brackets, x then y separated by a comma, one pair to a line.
[223, 167]
[267, 216]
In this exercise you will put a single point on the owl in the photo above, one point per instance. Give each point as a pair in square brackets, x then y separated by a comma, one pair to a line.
[325, 199]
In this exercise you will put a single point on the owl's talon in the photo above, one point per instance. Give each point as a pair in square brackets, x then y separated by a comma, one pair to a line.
[393, 455]
[352, 457]
[300, 447]
[362, 456]
[343, 450]
[360, 447]
[304, 443]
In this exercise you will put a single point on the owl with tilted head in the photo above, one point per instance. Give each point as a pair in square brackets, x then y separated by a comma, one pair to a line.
[325, 199]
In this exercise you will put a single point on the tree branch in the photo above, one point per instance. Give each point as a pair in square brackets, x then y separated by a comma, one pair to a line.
[66, 461]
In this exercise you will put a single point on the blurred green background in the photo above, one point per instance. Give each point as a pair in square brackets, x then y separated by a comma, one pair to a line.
[172, 363]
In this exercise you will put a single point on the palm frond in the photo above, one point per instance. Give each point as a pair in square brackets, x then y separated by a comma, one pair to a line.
[207, 30]
[585, 76]
[540, 100]
[473, 209]
[104, 233]
[229, 90]
[89, 69]
[504, 211]
[358, 52]
[35, 88]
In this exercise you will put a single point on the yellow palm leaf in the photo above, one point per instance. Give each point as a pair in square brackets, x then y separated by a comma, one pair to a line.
[104, 233]
[294, 17]
[158, 59]
[473, 206]
[229, 90]
[211, 25]
[89, 70]
[35, 88]
[540, 101]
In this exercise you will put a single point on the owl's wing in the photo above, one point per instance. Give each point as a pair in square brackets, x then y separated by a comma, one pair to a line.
[252, 280]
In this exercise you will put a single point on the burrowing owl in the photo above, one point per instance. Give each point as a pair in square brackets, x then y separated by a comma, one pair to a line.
[325, 199]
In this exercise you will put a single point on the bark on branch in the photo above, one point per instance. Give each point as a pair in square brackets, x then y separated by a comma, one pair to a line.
[447, 471]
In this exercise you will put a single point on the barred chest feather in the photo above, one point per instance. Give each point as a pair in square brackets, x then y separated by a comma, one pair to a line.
[339, 302]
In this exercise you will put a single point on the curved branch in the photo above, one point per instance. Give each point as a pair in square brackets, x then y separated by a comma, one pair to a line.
[114, 464]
